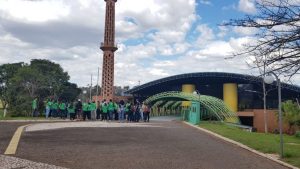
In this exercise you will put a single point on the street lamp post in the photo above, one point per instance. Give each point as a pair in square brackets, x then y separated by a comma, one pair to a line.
[90, 98]
[84, 95]
[269, 79]
[196, 92]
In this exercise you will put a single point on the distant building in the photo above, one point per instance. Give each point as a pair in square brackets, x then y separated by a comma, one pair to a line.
[241, 93]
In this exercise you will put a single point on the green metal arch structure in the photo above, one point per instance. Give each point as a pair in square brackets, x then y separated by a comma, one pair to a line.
[216, 107]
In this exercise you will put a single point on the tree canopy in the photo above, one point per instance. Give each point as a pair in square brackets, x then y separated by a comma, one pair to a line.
[20, 83]
[291, 114]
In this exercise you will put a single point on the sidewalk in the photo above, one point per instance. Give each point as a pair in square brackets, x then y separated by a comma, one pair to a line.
[8, 162]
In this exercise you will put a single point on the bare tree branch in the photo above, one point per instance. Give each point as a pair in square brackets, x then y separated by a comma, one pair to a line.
[278, 37]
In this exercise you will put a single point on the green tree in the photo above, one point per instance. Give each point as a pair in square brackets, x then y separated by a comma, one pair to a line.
[7, 71]
[55, 77]
[24, 87]
[291, 114]
[41, 79]
[70, 92]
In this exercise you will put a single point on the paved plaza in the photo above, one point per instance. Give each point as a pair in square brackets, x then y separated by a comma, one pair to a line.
[164, 143]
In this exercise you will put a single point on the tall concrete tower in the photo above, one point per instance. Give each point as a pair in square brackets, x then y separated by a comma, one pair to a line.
[108, 47]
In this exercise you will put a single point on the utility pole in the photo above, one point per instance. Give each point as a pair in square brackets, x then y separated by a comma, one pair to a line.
[97, 89]
[265, 98]
[91, 87]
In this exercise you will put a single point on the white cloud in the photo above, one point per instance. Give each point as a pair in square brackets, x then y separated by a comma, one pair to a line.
[247, 6]
[205, 2]
[220, 49]
[151, 37]
[206, 34]
[33, 11]
[223, 30]
[158, 72]
[245, 31]
[44, 29]
[238, 44]
[229, 7]
[167, 63]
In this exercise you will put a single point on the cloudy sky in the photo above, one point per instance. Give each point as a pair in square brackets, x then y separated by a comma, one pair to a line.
[156, 38]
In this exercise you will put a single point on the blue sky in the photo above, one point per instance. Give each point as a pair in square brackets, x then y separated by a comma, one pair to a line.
[156, 38]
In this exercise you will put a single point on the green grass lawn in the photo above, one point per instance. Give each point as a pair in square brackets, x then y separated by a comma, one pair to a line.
[18, 118]
[1, 113]
[22, 118]
[266, 143]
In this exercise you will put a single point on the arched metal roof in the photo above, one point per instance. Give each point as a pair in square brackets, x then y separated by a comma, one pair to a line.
[206, 77]
[215, 106]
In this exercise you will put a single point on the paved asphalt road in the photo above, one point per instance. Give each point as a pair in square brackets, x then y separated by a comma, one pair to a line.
[7, 129]
[172, 145]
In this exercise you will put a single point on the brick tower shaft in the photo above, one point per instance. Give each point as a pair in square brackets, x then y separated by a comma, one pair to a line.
[108, 47]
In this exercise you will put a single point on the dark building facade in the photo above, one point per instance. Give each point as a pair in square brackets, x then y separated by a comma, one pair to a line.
[243, 94]
[249, 91]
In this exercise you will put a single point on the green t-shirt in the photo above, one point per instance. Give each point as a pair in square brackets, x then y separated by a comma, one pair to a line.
[111, 106]
[104, 108]
[85, 107]
[34, 104]
[71, 109]
[92, 107]
[54, 105]
[49, 104]
[62, 106]
[116, 106]
[127, 107]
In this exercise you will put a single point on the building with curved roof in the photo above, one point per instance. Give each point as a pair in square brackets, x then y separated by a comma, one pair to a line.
[242, 93]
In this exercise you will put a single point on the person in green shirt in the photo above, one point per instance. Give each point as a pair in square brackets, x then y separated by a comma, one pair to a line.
[116, 111]
[130, 117]
[127, 108]
[98, 110]
[71, 111]
[54, 108]
[121, 111]
[62, 110]
[48, 107]
[92, 109]
[104, 108]
[86, 111]
[34, 108]
[111, 109]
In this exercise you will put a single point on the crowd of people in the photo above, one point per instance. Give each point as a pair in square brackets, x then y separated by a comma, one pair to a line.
[104, 111]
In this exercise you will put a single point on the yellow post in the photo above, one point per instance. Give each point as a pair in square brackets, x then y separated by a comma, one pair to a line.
[230, 96]
[187, 88]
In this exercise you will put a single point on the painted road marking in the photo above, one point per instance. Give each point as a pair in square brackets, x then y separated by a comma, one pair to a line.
[13, 145]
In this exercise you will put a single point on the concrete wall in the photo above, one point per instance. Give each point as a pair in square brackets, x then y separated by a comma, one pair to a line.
[116, 98]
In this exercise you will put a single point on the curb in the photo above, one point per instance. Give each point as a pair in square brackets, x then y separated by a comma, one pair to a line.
[243, 146]
[11, 121]
[10, 162]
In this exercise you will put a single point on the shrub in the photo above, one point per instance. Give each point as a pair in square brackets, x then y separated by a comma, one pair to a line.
[297, 134]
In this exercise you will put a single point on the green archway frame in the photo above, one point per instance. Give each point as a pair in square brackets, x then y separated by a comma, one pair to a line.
[216, 107]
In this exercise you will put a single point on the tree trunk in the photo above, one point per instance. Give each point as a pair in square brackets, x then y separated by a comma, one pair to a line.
[5, 110]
